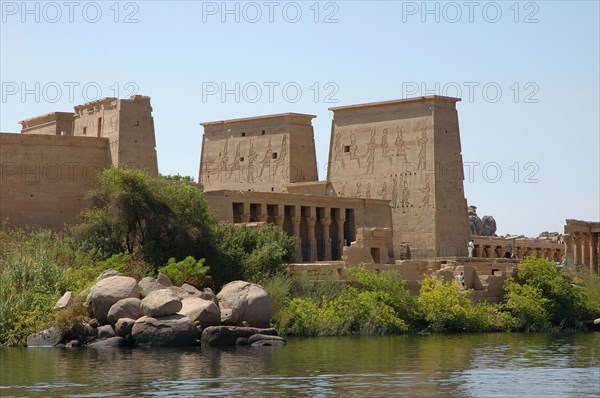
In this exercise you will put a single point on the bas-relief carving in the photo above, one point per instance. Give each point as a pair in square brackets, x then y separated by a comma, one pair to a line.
[365, 154]
[251, 168]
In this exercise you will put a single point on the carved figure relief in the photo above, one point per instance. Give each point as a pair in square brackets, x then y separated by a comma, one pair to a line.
[354, 149]
[386, 152]
[281, 155]
[224, 163]
[265, 163]
[395, 194]
[426, 190]
[422, 143]
[371, 154]
[368, 191]
[339, 151]
[252, 155]
[405, 196]
[358, 190]
[400, 147]
[235, 164]
[384, 191]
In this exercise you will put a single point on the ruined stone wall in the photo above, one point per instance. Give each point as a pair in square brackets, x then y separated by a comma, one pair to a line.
[128, 125]
[57, 123]
[407, 152]
[495, 247]
[258, 154]
[43, 178]
[45, 175]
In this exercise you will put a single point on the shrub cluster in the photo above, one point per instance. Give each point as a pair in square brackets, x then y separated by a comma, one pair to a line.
[540, 298]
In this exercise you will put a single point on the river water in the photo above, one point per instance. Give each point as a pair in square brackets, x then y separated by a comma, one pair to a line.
[477, 365]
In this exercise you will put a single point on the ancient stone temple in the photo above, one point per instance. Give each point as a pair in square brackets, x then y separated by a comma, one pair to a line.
[46, 171]
[406, 152]
[393, 165]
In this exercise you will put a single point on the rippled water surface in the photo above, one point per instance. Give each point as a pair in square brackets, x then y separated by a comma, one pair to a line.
[488, 365]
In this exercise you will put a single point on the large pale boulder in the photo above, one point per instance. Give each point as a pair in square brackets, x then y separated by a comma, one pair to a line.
[126, 308]
[251, 302]
[161, 303]
[64, 301]
[108, 291]
[167, 331]
[205, 312]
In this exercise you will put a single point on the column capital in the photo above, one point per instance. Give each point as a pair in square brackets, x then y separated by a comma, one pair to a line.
[311, 221]
[326, 221]
[296, 220]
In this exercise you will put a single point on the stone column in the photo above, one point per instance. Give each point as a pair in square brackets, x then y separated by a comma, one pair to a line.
[326, 222]
[296, 222]
[585, 247]
[312, 240]
[245, 216]
[569, 252]
[478, 252]
[279, 221]
[263, 216]
[594, 253]
[339, 222]
[487, 251]
[577, 248]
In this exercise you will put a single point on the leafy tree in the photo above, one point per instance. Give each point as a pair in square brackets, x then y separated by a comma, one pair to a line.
[250, 253]
[156, 218]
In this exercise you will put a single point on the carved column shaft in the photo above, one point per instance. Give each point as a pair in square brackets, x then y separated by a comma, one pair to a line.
[340, 235]
[312, 240]
[296, 222]
[326, 222]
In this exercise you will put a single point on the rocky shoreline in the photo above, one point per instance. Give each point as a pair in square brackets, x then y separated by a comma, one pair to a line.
[154, 313]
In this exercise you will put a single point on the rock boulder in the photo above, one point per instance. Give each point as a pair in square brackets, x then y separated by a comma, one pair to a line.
[126, 308]
[228, 335]
[205, 312]
[161, 303]
[251, 301]
[106, 292]
[168, 331]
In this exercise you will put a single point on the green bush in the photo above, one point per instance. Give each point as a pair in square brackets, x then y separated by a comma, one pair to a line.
[446, 307]
[528, 306]
[188, 271]
[541, 294]
[330, 308]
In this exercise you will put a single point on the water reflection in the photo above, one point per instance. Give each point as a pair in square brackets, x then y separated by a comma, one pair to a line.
[488, 365]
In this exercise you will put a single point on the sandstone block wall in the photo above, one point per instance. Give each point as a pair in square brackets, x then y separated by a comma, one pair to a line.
[44, 178]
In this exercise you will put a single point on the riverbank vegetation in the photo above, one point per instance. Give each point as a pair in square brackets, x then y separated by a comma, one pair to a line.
[140, 225]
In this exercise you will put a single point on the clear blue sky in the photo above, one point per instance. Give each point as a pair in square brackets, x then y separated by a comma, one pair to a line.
[528, 74]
